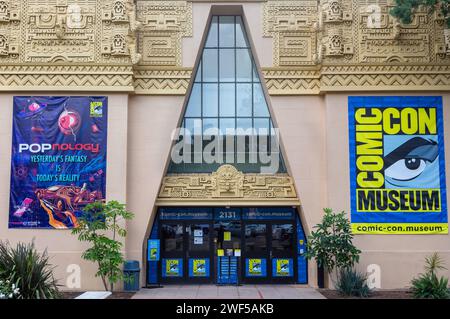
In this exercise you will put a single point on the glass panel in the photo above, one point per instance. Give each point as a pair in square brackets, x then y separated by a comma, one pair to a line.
[244, 123]
[209, 63]
[227, 100]
[259, 101]
[226, 31]
[283, 237]
[210, 100]
[199, 237]
[211, 40]
[223, 240]
[227, 124]
[241, 38]
[262, 126]
[226, 65]
[255, 237]
[244, 99]
[209, 123]
[243, 65]
[194, 125]
[194, 107]
[172, 236]
[227, 91]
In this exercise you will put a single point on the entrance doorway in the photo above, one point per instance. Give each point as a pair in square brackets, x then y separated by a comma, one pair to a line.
[270, 251]
[186, 249]
[268, 244]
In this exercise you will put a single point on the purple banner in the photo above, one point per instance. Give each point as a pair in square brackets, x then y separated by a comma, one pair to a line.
[58, 161]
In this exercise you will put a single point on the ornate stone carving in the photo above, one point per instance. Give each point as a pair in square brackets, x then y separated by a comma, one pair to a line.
[385, 78]
[383, 39]
[301, 81]
[229, 184]
[331, 45]
[68, 77]
[9, 12]
[169, 81]
[164, 23]
[119, 31]
[291, 25]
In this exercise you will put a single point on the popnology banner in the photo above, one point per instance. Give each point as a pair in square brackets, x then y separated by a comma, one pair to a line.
[58, 163]
[397, 165]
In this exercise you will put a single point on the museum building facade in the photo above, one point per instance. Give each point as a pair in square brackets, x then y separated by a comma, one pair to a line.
[225, 127]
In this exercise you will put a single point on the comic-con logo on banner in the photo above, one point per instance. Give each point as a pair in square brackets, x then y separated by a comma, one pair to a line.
[397, 165]
[58, 163]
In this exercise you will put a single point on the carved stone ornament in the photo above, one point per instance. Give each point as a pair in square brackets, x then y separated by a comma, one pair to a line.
[135, 46]
[227, 184]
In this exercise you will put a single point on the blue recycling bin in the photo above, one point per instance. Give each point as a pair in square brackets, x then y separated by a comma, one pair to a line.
[131, 271]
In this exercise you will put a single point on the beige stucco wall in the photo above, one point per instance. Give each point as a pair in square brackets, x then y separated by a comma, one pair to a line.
[63, 247]
[151, 122]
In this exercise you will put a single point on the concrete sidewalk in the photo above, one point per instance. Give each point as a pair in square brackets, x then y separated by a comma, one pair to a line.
[229, 292]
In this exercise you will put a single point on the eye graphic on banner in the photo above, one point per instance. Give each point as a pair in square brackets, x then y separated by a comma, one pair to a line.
[58, 160]
[397, 165]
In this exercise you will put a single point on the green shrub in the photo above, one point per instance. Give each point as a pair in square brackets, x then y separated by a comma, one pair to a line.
[352, 283]
[331, 243]
[29, 270]
[99, 226]
[429, 285]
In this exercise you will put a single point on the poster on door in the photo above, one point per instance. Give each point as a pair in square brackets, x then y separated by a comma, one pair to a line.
[58, 160]
[255, 267]
[282, 267]
[172, 267]
[199, 267]
[397, 165]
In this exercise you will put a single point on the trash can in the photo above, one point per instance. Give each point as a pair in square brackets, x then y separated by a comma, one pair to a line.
[131, 273]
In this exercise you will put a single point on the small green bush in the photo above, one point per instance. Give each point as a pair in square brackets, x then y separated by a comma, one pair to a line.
[428, 285]
[352, 283]
[29, 270]
[331, 243]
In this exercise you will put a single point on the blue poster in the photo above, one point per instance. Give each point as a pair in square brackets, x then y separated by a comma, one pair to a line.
[255, 267]
[198, 267]
[282, 267]
[397, 165]
[58, 161]
[172, 267]
[153, 246]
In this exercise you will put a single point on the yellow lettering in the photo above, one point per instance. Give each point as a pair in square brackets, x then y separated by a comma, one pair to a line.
[376, 182]
[409, 121]
[372, 143]
[369, 163]
[362, 117]
[427, 121]
[388, 115]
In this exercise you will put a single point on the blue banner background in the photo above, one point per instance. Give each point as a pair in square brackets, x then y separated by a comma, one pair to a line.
[49, 203]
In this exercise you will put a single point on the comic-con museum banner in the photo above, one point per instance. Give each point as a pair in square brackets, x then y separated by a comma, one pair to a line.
[58, 162]
[397, 165]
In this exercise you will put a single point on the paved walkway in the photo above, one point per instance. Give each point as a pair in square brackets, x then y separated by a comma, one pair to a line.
[229, 292]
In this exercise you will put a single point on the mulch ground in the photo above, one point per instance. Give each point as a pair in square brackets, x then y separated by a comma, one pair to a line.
[378, 294]
[114, 295]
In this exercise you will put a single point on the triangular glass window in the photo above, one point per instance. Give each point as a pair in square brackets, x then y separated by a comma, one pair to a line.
[227, 119]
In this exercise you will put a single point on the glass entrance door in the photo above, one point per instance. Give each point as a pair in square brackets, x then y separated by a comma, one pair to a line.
[282, 246]
[199, 253]
[186, 252]
[269, 250]
[172, 252]
[256, 252]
